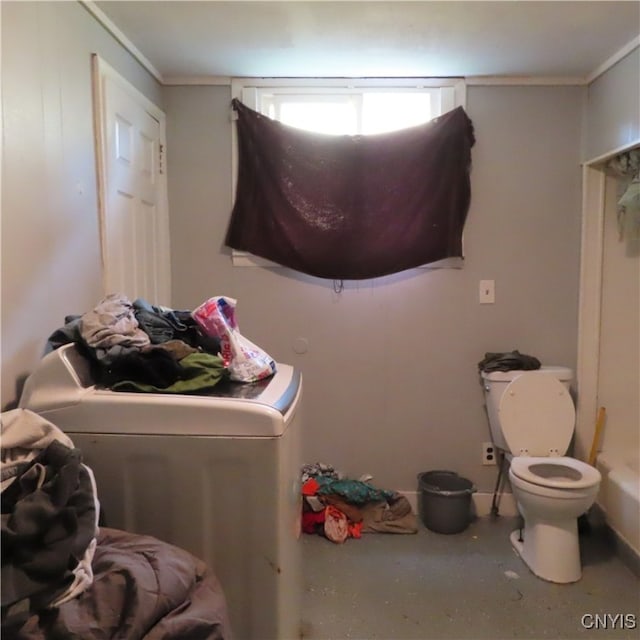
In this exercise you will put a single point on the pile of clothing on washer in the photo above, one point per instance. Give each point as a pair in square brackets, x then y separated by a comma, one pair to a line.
[339, 508]
[137, 346]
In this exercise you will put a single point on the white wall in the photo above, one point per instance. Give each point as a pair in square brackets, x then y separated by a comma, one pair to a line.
[391, 380]
[50, 242]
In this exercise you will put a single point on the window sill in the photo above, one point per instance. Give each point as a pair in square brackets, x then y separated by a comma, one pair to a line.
[246, 259]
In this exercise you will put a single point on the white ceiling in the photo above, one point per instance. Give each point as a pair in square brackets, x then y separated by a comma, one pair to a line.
[363, 39]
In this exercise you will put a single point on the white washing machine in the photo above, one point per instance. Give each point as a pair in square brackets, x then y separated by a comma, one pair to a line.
[217, 475]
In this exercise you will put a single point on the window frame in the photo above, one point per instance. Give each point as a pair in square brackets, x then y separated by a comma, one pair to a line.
[451, 94]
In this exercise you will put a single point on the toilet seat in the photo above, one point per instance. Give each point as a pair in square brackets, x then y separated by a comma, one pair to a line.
[557, 472]
[537, 415]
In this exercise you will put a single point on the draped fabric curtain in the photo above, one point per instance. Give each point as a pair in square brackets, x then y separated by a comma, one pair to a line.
[351, 207]
[626, 167]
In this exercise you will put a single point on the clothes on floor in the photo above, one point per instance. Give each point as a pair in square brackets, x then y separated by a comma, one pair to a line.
[310, 487]
[142, 589]
[339, 508]
[319, 469]
[354, 491]
[336, 525]
[49, 515]
[394, 516]
[24, 435]
[352, 511]
[312, 521]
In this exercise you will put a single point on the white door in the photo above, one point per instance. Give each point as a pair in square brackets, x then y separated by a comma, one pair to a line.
[132, 183]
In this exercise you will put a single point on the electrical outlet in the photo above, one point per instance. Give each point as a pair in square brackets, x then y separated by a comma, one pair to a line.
[489, 453]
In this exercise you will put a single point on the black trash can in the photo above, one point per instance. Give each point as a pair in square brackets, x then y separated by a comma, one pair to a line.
[445, 501]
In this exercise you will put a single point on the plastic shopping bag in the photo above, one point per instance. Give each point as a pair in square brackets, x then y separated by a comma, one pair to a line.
[245, 361]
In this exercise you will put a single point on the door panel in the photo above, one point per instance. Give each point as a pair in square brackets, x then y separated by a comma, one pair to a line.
[134, 220]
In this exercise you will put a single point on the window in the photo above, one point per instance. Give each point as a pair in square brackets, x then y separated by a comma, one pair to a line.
[348, 112]
[345, 107]
[351, 107]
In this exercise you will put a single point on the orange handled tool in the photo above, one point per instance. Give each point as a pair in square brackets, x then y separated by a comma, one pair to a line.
[596, 436]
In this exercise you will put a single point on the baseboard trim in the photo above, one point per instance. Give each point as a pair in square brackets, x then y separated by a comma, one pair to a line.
[481, 503]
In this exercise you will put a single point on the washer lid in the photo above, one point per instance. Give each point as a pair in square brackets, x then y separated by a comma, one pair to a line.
[537, 415]
[558, 473]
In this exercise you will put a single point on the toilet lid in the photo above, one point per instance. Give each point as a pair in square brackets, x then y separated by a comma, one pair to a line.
[559, 473]
[537, 415]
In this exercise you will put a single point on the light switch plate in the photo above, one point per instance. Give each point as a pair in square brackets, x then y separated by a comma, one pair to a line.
[487, 291]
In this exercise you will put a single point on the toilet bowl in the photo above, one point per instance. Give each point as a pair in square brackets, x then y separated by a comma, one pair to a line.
[551, 494]
[532, 418]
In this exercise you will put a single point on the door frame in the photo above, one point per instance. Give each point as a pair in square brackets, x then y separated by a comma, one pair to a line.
[594, 182]
[101, 71]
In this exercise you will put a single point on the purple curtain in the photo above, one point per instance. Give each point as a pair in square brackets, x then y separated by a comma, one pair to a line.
[351, 207]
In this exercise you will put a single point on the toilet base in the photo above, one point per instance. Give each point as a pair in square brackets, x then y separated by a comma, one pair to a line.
[550, 550]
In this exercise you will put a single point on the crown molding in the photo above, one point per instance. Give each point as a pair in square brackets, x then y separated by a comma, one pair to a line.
[197, 80]
[470, 80]
[614, 59]
[101, 17]
[488, 81]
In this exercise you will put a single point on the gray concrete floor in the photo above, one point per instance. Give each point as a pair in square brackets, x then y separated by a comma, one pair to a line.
[470, 585]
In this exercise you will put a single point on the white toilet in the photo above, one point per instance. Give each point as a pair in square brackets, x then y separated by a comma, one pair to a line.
[532, 418]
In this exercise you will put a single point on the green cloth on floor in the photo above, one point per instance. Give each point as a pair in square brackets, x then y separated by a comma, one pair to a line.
[201, 372]
[353, 491]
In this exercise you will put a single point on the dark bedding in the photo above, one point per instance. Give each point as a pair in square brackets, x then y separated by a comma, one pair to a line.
[142, 589]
